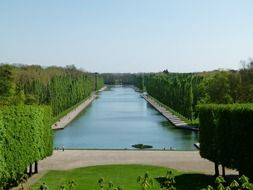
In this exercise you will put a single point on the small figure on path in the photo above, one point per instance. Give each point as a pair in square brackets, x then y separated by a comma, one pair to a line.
[63, 148]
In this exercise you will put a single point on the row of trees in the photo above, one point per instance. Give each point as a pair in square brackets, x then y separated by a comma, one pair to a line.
[29, 97]
[183, 91]
[178, 91]
[58, 87]
[121, 78]
[26, 137]
[226, 135]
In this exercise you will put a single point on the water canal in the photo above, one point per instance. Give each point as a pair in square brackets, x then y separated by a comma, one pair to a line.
[119, 118]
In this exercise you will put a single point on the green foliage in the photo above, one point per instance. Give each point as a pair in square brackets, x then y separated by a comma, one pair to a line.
[234, 184]
[20, 98]
[71, 185]
[26, 137]
[107, 186]
[122, 78]
[192, 122]
[31, 99]
[217, 88]
[23, 180]
[226, 135]
[145, 181]
[43, 186]
[246, 74]
[183, 91]
[25, 131]
[68, 90]
[219, 180]
[177, 91]
[221, 184]
[169, 182]
[7, 85]
[101, 183]
[74, 88]
[61, 88]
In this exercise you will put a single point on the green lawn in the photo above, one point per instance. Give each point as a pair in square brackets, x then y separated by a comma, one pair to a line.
[121, 175]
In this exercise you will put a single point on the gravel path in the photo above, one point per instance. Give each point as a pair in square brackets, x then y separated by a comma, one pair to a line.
[64, 121]
[181, 160]
[70, 159]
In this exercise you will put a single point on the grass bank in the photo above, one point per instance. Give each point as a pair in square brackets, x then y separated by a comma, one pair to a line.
[121, 175]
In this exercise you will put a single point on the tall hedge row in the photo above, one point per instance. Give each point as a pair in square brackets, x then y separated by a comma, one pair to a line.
[61, 88]
[66, 91]
[25, 137]
[226, 135]
[61, 91]
[178, 91]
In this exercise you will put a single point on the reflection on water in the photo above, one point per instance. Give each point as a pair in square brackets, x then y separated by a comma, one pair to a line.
[119, 118]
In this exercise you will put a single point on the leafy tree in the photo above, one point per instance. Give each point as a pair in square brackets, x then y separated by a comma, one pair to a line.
[234, 185]
[235, 85]
[108, 186]
[20, 98]
[217, 88]
[61, 88]
[178, 91]
[7, 84]
[169, 182]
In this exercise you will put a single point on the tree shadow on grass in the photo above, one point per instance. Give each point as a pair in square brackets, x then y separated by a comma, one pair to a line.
[191, 181]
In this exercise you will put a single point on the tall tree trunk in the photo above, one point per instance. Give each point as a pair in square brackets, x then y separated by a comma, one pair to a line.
[30, 170]
[36, 167]
[216, 169]
[223, 171]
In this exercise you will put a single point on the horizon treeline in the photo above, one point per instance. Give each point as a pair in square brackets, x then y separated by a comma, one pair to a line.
[59, 87]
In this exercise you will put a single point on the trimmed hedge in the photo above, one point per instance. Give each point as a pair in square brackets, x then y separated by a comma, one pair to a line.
[226, 135]
[179, 91]
[25, 137]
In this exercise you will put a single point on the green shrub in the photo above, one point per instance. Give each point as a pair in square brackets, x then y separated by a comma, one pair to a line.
[26, 137]
[226, 135]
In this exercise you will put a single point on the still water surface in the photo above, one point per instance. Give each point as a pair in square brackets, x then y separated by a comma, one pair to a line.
[119, 118]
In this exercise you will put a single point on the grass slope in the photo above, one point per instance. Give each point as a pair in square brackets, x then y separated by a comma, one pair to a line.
[121, 175]
[194, 122]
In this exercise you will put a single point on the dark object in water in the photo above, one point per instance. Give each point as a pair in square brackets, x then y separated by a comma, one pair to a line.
[197, 145]
[142, 146]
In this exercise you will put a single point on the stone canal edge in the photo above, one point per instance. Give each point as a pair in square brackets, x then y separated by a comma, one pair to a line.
[65, 120]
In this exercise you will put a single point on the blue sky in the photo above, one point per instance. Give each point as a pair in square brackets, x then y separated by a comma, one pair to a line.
[127, 35]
